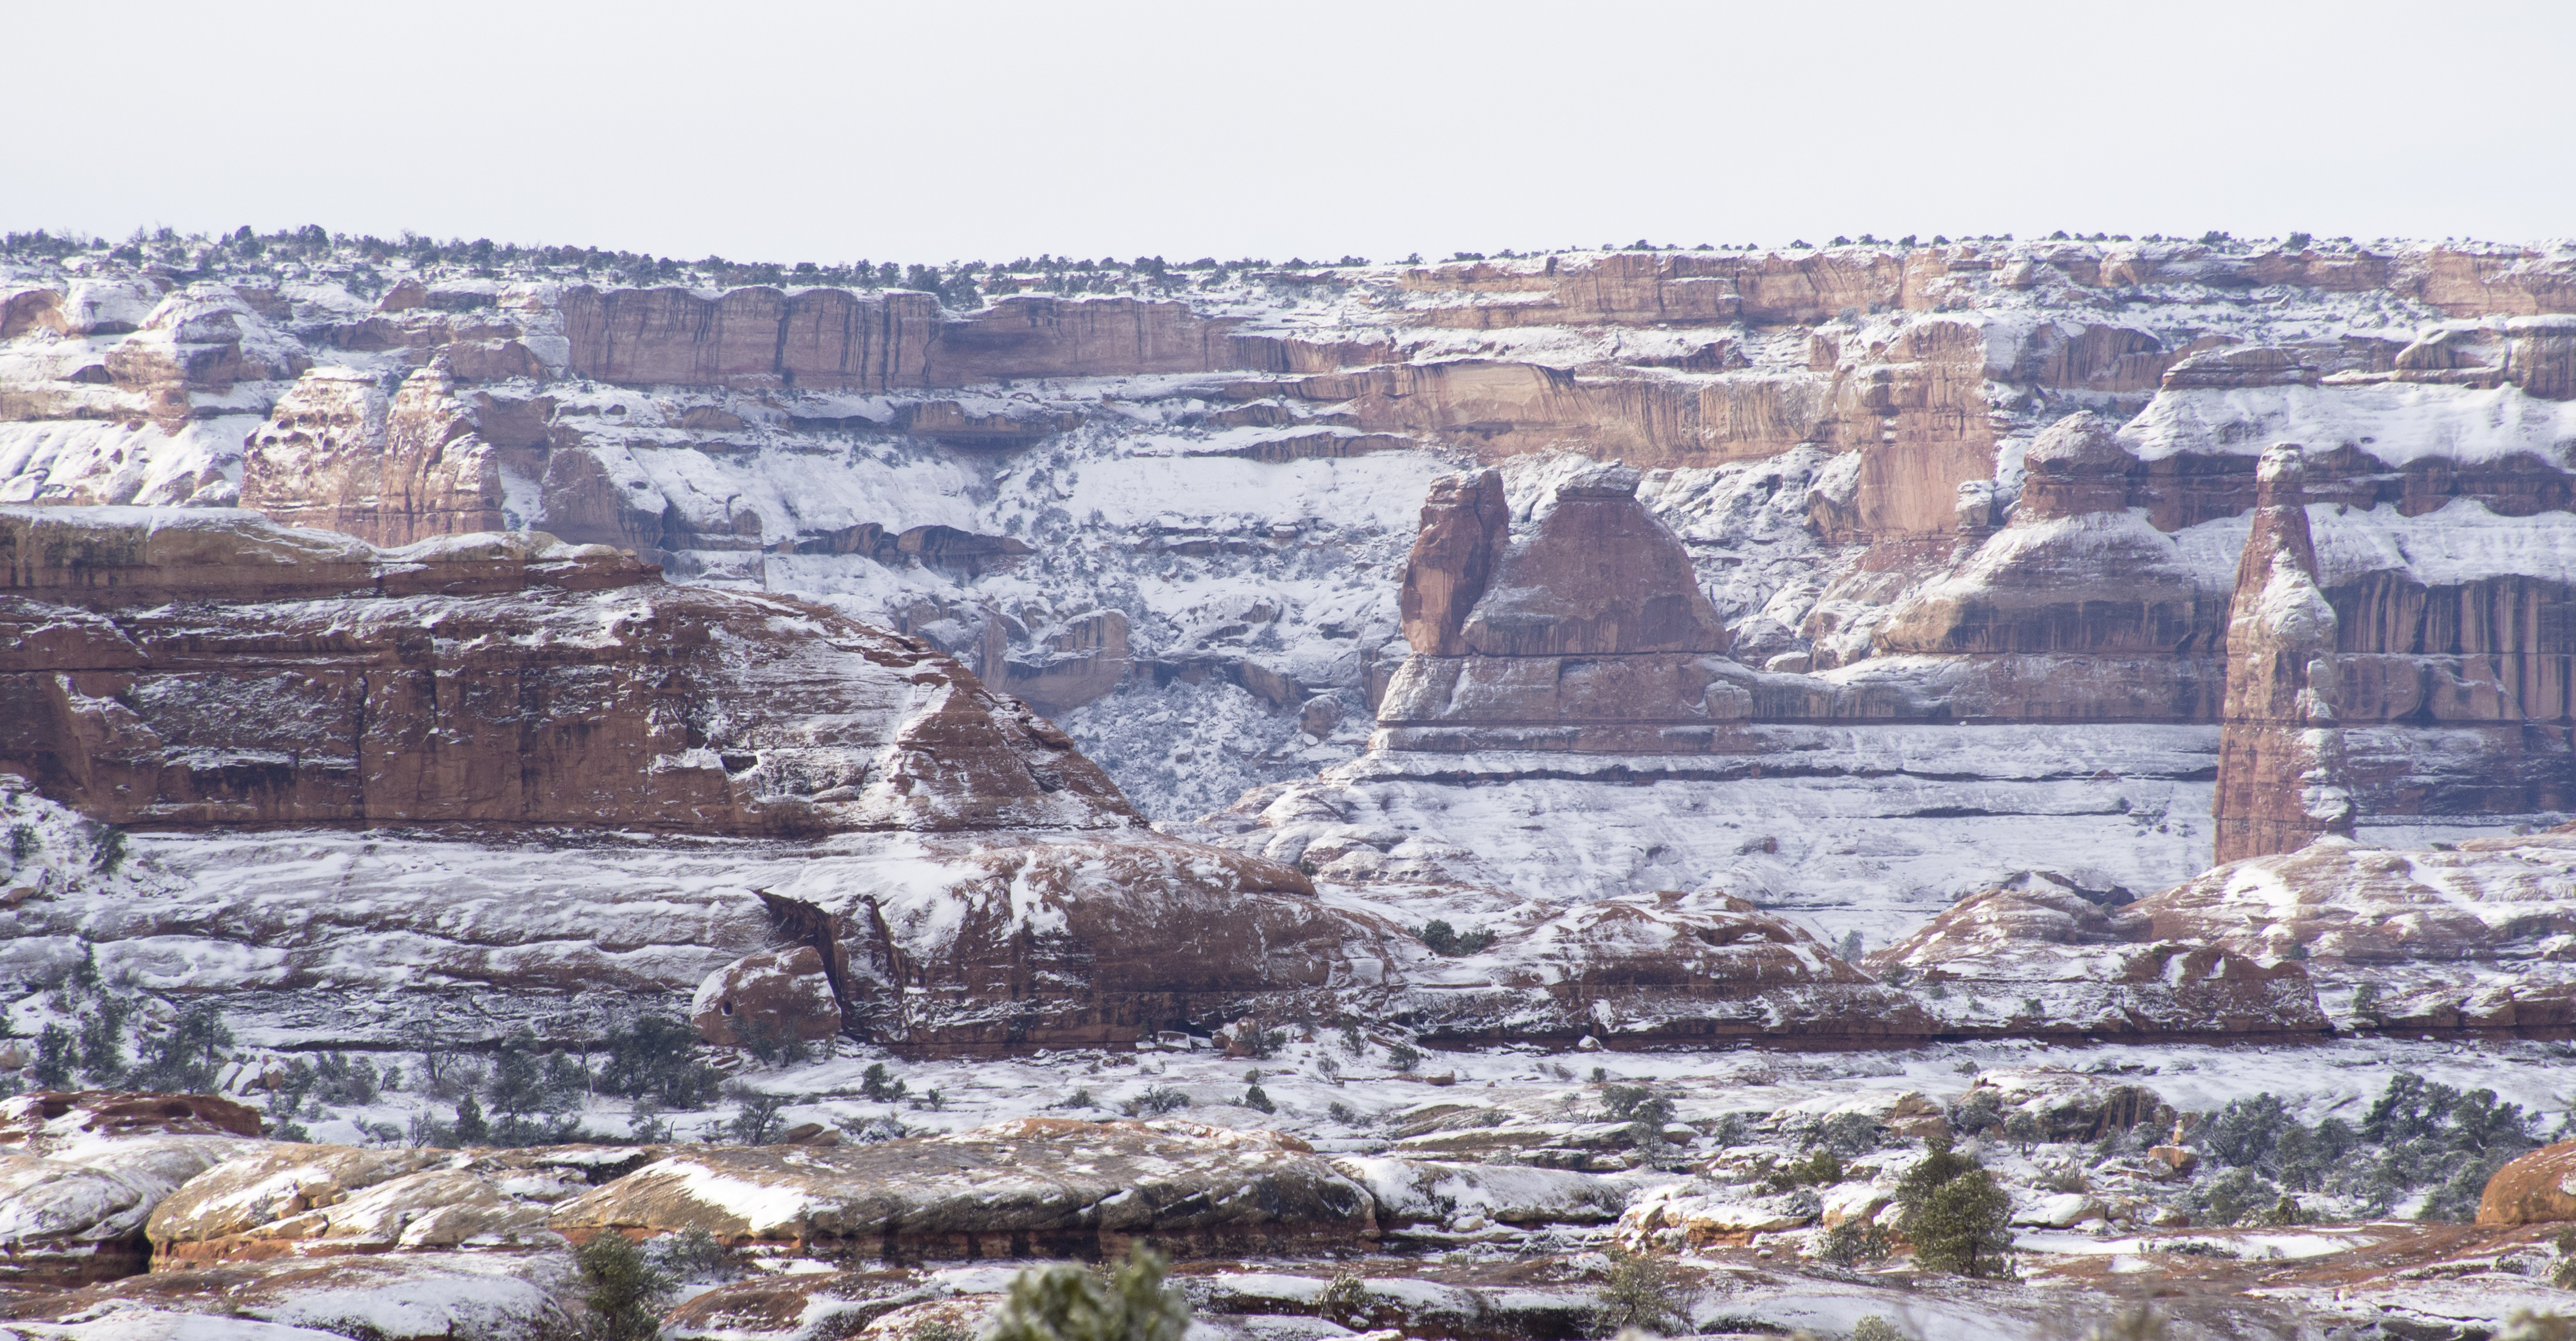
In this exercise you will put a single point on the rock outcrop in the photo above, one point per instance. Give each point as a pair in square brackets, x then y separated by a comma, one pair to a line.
[1465, 526]
[767, 999]
[1011, 946]
[2538, 1188]
[80, 1174]
[2077, 967]
[338, 454]
[1043, 1187]
[300, 1200]
[2280, 747]
[1595, 616]
[2489, 900]
[1601, 577]
[500, 679]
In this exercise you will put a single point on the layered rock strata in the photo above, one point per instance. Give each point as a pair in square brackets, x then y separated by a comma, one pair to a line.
[80, 1173]
[1852, 443]
[213, 667]
[338, 454]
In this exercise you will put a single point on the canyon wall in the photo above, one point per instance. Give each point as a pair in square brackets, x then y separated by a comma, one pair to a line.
[212, 668]
[1941, 504]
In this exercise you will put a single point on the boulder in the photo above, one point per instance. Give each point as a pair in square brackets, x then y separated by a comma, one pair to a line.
[48, 1120]
[1028, 1187]
[2532, 1189]
[772, 997]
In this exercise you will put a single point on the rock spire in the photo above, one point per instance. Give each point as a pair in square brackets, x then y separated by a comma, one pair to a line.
[2280, 749]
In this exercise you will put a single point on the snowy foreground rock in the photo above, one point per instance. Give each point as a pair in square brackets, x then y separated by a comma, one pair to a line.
[816, 1240]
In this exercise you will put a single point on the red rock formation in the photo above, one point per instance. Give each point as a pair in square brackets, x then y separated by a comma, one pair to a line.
[2075, 466]
[492, 679]
[2538, 1188]
[824, 339]
[2483, 900]
[48, 1119]
[829, 339]
[2098, 969]
[1056, 1187]
[2075, 572]
[1602, 577]
[774, 997]
[338, 455]
[1465, 524]
[2280, 761]
[1091, 944]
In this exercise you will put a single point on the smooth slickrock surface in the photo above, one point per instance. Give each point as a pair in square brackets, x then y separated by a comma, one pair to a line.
[1039, 1185]
[2534, 1189]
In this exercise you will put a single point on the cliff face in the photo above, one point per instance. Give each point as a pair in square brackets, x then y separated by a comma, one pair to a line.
[337, 454]
[2001, 484]
[214, 668]
[2280, 747]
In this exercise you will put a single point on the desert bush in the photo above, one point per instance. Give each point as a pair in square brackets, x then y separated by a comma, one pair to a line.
[694, 1254]
[1955, 1215]
[879, 1084]
[1064, 1302]
[1852, 1243]
[868, 1131]
[758, 1121]
[1642, 1291]
[657, 1056]
[622, 1287]
[1155, 1101]
[1443, 939]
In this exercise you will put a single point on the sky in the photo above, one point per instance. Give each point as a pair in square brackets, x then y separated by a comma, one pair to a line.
[772, 130]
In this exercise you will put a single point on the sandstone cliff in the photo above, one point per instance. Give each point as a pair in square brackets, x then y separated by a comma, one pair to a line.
[338, 454]
[212, 667]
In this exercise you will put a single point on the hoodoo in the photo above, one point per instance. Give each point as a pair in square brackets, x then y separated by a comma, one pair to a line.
[2280, 750]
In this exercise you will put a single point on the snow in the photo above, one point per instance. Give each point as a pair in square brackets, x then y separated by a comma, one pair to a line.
[2395, 423]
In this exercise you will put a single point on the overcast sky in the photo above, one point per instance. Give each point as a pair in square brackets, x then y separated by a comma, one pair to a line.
[935, 131]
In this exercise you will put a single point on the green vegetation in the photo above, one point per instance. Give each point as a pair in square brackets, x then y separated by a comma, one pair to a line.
[1642, 1291]
[623, 1287]
[1955, 1215]
[2417, 1137]
[1444, 939]
[1063, 1302]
